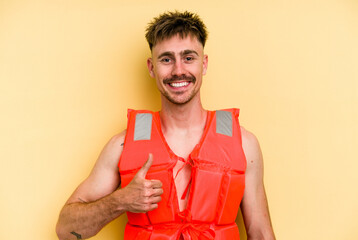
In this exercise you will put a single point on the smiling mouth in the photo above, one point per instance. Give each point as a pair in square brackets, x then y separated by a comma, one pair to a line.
[179, 81]
[178, 84]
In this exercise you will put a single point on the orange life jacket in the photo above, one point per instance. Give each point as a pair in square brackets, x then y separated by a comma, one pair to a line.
[217, 178]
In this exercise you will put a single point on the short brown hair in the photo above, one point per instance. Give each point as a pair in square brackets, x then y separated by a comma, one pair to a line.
[170, 24]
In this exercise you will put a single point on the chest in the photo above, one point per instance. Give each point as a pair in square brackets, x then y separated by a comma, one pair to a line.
[182, 144]
[217, 167]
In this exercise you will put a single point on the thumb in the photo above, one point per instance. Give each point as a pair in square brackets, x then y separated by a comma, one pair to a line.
[143, 171]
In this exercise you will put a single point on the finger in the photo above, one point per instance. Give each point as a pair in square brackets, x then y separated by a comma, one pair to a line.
[147, 208]
[157, 192]
[155, 199]
[143, 171]
[152, 207]
[156, 183]
[148, 193]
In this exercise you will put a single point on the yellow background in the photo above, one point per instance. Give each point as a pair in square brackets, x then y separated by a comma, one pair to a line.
[70, 69]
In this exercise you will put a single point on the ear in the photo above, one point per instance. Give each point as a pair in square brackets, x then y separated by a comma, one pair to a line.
[205, 64]
[150, 67]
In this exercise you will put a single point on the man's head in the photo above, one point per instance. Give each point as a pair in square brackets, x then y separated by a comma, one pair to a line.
[178, 62]
[170, 24]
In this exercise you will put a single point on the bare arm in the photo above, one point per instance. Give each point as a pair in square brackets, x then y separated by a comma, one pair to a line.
[254, 204]
[97, 201]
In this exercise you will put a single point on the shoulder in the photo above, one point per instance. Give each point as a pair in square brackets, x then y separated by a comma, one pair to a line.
[251, 146]
[104, 177]
[249, 140]
[117, 140]
[247, 135]
[112, 150]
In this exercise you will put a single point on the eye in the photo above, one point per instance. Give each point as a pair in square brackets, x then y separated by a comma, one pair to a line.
[165, 60]
[189, 58]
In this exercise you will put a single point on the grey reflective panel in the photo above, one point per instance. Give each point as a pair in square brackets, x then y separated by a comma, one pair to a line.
[224, 123]
[143, 126]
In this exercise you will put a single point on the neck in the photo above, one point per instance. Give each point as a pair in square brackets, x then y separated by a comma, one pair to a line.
[187, 116]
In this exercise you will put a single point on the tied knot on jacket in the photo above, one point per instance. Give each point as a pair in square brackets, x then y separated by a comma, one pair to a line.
[194, 231]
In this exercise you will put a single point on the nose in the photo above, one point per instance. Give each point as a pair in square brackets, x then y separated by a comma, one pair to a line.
[178, 68]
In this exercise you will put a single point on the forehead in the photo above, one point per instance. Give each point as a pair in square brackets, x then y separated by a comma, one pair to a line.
[177, 44]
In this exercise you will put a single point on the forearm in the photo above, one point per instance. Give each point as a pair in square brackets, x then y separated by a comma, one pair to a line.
[260, 235]
[83, 220]
[258, 224]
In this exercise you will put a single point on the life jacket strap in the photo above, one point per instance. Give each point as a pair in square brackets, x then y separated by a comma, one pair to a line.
[224, 123]
[143, 126]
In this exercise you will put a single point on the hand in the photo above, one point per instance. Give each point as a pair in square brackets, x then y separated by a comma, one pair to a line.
[142, 195]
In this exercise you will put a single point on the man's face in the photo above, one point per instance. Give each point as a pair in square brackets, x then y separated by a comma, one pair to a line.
[178, 65]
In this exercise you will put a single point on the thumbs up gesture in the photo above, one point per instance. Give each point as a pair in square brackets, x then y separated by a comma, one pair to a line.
[142, 195]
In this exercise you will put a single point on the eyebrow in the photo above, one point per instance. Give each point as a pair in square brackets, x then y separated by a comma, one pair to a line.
[182, 53]
[186, 52]
[168, 54]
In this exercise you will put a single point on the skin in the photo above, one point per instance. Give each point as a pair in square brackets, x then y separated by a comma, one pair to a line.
[254, 205]
[178, 66]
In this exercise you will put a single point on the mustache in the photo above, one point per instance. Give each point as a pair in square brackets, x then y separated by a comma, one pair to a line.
[178, 78]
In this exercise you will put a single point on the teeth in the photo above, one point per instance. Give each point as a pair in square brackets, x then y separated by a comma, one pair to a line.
[179, 84]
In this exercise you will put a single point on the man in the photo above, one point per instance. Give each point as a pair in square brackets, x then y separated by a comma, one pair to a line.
[184, 170]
